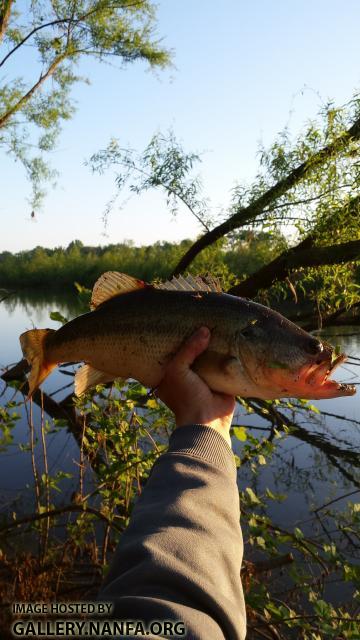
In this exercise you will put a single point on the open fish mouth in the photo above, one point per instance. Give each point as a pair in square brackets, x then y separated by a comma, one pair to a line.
[318, 375]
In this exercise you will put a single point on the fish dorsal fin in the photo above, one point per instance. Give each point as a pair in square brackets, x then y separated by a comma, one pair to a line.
[191, 283]
[111, 284]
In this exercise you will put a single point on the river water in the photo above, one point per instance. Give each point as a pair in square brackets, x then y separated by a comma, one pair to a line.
[296, 464]
[19, 313]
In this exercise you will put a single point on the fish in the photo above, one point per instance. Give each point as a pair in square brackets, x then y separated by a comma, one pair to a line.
[134, 329]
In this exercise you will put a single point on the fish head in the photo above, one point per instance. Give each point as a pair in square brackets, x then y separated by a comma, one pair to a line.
[282, 360]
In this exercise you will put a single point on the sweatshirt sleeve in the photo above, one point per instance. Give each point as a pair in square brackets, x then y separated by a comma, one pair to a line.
[181, 555]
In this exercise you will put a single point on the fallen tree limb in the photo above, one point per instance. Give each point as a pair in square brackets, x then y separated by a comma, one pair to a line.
[304, 254]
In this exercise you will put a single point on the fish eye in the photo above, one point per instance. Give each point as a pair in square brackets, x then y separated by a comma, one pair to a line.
[314, 346]
[248, 331]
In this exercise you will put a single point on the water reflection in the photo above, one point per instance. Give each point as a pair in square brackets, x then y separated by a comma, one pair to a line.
[28, 309]
[39, 303]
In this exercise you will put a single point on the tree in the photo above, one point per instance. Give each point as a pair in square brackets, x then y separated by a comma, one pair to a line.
[51, 37]
[307, 191]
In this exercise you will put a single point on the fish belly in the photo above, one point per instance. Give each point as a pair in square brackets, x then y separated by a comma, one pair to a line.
[124, 358]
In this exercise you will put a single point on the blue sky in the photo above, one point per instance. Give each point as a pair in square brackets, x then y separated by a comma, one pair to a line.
[243, 70]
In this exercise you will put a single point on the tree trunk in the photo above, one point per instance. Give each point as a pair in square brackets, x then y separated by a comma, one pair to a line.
[5, 12]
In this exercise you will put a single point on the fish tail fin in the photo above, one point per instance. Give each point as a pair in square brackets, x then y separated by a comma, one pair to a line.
[33, 344]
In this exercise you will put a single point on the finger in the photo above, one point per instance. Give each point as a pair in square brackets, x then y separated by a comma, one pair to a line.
[192, 348]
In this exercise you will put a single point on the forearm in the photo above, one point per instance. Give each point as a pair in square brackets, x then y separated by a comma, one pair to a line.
[181, 555]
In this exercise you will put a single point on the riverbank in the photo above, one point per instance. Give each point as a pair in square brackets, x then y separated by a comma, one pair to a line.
[55, 268]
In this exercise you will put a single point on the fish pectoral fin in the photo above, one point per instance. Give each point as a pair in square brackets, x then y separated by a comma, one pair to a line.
[222, 372]
[232, 366]
[88, 376]
[216, 364]
[111, 284]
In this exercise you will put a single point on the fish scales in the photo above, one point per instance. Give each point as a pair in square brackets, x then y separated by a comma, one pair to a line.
[135, 329]
[135, 334]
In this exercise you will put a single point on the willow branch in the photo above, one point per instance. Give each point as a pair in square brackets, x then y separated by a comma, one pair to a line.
[333, 318]
[8, 295]
[168, 188]
[69, 20]
[245, 214]
[30, 34]
[64, 410]
[26, 97]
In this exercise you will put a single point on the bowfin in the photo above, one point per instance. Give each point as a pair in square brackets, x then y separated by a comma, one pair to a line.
[33, 345]
[88, 377]
[191, 283]
[111, 284]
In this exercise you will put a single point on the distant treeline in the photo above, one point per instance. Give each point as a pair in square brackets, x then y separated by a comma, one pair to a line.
[55, 268]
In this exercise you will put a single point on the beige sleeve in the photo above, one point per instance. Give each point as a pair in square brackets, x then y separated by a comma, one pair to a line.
[181, 555]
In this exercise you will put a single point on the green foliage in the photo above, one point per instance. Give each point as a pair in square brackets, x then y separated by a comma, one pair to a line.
[324, 205]
[287, 571]
[54, 268]
[60, 34]
[8, 419]
[58, 317]
[239, 433]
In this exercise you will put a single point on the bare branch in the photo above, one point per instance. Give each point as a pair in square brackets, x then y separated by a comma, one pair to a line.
[57, 512]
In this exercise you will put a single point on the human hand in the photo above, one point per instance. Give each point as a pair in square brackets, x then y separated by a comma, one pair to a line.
[188, 396]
